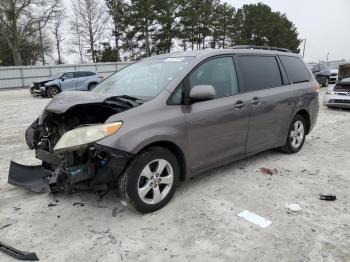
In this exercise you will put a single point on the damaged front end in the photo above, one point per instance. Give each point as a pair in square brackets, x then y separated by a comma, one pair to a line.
[70, 159]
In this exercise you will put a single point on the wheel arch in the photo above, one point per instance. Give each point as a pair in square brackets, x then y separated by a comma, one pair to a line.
[305, 114]
[176, 150]
[53, 85]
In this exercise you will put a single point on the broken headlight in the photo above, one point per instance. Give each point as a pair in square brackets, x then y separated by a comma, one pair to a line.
[85, 135]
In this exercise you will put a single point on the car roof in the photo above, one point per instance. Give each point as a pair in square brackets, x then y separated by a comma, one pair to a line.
[214, 52]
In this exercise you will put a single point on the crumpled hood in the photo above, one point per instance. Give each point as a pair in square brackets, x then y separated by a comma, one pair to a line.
[344, 71]
[65, 100]
[44, 81]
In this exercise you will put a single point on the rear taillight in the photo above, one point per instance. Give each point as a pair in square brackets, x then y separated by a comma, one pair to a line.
[317, 88]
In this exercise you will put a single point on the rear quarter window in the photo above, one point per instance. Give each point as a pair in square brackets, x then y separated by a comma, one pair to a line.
[295, 69]
[85, 74]
[259, 72]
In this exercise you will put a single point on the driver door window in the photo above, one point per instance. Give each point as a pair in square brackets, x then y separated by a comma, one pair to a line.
[68, 75]
[218, 72]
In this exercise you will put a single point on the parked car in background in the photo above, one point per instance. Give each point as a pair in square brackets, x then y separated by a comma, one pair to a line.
[333, 68]
[170, 117]
[68, 81]
[339, 94]
[322, 73]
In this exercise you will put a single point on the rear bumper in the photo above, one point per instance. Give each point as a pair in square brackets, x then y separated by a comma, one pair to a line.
[341, 101]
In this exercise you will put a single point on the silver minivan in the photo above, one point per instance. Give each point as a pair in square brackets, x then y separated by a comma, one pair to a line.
[170, 117]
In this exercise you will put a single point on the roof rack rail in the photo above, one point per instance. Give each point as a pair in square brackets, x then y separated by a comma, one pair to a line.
[262, 48]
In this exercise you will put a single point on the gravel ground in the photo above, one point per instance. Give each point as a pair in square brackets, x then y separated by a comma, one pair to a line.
[201, 222]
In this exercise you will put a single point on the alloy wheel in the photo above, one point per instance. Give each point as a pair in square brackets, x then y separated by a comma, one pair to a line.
[155, 181]
[297, 134]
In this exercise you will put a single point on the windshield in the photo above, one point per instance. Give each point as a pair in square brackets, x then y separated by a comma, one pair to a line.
[145, 79]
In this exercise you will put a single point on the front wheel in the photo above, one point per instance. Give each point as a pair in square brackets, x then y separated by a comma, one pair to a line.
[296, 136]
[52, 91]
[150, 180]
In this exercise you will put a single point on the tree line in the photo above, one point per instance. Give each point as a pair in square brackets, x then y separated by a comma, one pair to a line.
[122, 30]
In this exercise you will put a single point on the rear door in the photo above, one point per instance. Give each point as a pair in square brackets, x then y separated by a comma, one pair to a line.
[269, 98]
[83, 78]
[217, 128]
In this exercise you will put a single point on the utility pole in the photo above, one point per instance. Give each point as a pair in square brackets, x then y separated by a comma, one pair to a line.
[304, 48]
[327, 56]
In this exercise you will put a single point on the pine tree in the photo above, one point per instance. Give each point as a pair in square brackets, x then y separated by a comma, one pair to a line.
[142, 17]
[167, 14]
[118, 11]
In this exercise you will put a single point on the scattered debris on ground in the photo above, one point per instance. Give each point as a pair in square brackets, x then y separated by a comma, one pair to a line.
[268, 171]
[255, 219]
[295, 208]
[79, 204]
[116, 211]
[5, 226]
[21, 255]
[328, 197]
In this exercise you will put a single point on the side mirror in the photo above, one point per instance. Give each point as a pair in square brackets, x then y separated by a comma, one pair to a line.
[202, 93]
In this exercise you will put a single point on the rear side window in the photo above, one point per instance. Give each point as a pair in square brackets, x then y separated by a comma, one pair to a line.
[85, 74]
[295, 69]
[70, 75]
[89, 73]
[259, 72]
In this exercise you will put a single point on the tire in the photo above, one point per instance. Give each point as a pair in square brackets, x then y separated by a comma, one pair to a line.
[91, 86]
[52, 91]
[296, 136]
[326, 82]
[144, 177]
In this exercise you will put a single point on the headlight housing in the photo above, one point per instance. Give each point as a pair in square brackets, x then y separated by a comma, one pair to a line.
[85, 135]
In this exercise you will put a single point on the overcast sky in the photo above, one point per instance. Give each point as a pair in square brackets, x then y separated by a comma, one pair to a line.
[324, 23]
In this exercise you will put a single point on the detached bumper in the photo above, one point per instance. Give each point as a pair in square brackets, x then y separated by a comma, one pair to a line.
[95, 174]
[33, 178]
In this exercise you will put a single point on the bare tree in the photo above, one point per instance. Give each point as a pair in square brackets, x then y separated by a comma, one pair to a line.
[77, 31]
[21, 19]
[57, 32]
[88, 25]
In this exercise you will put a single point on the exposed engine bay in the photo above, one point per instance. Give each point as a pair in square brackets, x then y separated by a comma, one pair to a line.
[87, 167]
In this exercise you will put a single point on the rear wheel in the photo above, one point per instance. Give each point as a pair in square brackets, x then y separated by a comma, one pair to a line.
[296, 135]
[52, 91]
[150, 180]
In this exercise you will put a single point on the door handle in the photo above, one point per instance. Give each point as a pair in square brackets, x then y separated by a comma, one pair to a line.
[255, 101]
[239, 104]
